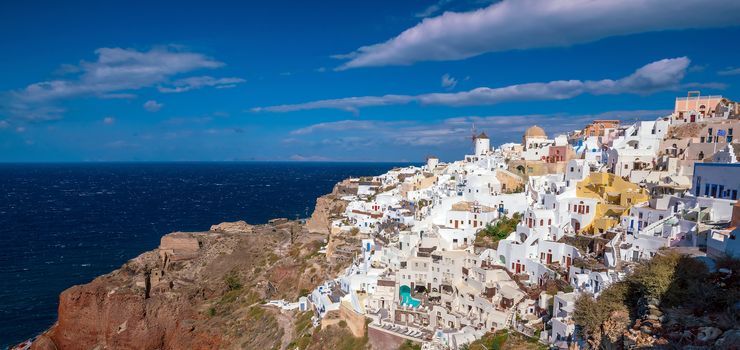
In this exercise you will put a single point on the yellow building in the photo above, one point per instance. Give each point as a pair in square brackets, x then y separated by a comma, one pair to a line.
[417, 183]
[615, 197]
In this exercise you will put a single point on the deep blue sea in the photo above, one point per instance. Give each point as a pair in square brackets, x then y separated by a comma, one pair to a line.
[65, 224]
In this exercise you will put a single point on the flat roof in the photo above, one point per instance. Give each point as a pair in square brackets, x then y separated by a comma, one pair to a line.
[717, 164]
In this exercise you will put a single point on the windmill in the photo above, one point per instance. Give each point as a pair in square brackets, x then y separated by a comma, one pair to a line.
[472, 137]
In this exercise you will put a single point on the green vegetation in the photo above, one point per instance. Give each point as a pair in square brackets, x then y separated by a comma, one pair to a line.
[518, 189]
[303, 322]
[232, 280]
[334, 337]
[234, 297]
[502, 228]
[262, 329]
[672, 279]
[256, 312]
[409, 345]
[498, 231]
[302, 326]
[503, 340]
[591, 313]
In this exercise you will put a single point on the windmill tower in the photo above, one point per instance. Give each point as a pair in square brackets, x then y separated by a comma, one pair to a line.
[432, 162]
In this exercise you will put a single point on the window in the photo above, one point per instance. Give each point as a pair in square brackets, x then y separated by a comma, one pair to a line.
[710, 131]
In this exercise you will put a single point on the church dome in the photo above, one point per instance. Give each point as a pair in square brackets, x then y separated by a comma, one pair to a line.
[535, 131]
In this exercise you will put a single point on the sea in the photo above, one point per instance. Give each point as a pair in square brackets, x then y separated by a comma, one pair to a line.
[63, 224]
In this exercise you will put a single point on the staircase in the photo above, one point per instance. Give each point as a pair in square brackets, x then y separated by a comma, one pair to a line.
[512, 317]
[650, 230]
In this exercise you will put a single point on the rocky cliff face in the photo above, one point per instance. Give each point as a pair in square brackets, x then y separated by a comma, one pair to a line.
[201, 290]
[329, 206]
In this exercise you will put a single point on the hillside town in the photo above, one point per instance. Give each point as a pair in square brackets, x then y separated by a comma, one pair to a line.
[510, 236]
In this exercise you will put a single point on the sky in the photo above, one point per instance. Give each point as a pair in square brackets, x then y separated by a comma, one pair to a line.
[342, 81]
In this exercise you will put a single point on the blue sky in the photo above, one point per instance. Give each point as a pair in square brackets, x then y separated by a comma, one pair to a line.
[342, 81]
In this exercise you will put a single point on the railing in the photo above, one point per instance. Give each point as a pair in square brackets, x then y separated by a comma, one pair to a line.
[650, 230]
[697, 97]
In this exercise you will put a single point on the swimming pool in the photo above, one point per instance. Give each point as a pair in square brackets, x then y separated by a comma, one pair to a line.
[405, 293]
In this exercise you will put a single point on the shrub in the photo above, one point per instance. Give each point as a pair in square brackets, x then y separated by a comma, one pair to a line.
[409, 345]
[502, 228]
[232, 280]
[591, 313]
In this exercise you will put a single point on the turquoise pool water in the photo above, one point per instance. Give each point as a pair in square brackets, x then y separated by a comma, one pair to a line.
[405, 293]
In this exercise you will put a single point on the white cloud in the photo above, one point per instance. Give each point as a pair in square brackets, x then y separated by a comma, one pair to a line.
[661, 75]
[194, 83]
[4, 124]
[730, 71]
[109, 120]
[335, 126]
[432, 9]
[115, 74]
[452, 132]
[350, 104]
[153, 106]
[448, 81]
[525, 24]
[118, 69]
[33, 113]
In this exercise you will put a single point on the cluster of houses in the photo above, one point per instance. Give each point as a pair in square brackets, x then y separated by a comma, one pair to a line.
[591, 203]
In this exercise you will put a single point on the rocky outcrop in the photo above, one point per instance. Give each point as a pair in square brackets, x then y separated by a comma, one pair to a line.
[201, 290]
[656, 328]
[232, 227]
[330, 206]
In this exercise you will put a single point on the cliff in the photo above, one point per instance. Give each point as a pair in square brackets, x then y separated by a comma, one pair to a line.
[197, 290]
[330, 206]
